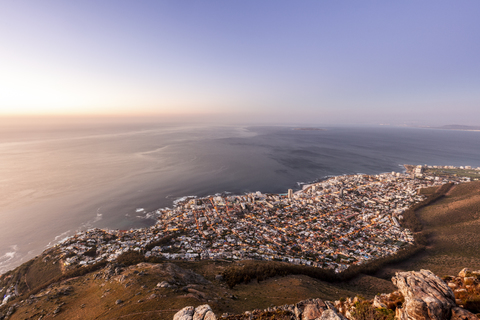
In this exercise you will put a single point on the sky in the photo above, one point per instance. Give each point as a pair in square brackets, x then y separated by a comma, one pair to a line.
[272, 61]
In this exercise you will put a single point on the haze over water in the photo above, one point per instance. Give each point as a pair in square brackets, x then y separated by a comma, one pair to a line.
[56, 180]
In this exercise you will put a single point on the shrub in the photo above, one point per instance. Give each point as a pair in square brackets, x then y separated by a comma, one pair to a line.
[472, 304]
[365, 311]
[92, 252]
[130, 258]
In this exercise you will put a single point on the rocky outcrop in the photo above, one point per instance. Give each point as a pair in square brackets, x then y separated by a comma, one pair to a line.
[185, 314]
[465, 272]
[331, 315]
[427, 297]
[420, 296]
[311, 309]
[203, 312]
[462, 314]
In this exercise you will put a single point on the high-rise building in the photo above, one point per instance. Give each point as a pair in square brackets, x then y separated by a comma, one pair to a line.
[290, 194]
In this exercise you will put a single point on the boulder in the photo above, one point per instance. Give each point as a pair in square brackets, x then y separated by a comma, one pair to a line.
[462, 314]
[201, 311]
[452, 285]
[164, 284]
[465, 272]
[11, 310]
[331, 314]
[210, 316]
[184, 314]
[377, 303]
[309, 309]
[426, 296]
[311, 312]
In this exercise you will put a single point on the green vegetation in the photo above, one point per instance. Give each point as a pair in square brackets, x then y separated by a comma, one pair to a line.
[457, 172]
[161, 242]
[365, 311]
[249, 270]
[130, 258]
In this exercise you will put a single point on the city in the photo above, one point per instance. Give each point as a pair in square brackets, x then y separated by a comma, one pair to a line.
[342, 221]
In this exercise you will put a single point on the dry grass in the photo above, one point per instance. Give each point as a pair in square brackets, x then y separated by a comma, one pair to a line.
[453, 223]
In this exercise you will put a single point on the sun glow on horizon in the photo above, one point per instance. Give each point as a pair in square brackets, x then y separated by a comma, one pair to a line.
[312, 62]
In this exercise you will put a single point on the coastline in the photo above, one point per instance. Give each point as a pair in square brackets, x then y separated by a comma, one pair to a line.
[216, 227]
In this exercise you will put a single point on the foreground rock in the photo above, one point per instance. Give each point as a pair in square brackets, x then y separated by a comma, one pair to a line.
[203, 312]
[427, 297]
[420, 296]
[311, 309]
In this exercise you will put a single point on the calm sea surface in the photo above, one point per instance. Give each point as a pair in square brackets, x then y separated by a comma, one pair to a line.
[57, 180]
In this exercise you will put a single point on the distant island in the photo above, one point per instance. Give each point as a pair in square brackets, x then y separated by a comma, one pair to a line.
[310, 129]
[456, 127]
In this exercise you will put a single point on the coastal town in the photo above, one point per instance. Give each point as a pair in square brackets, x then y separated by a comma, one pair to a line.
[334, 223]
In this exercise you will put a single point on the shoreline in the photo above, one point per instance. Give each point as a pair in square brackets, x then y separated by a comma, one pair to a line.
[209, 223]
[185, 202]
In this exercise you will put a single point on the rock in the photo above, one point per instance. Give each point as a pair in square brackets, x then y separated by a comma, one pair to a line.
[56, 310]
[308, 309]
[426, 296]
[465, 272]
[462, 314]
[184, 314]
[452, 285]
[469, 280]
[311, 312]
[219, 277]
[348, 314]
[330, 314]
[185, 276]
[197, 293]
[377, 303]
[400, 314]
[164, 284]
[210, 316]
[200, 312]
[10, 311]
[329, 305]
[119, 301]
[65, 290]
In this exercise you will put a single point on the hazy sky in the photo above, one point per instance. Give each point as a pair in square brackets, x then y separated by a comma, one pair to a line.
[368, 62]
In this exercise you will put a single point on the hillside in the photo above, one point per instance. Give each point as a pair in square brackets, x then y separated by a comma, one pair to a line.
[452, 224]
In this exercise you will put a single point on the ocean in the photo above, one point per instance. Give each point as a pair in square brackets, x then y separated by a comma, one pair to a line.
[59, 179]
